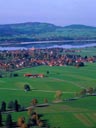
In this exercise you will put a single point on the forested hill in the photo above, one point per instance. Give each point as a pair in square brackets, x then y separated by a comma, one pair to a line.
[36, 31]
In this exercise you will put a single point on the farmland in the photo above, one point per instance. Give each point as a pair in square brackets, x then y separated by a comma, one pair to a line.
[70, 80]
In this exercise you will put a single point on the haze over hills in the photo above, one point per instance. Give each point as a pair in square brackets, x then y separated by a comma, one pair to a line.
[36, 31]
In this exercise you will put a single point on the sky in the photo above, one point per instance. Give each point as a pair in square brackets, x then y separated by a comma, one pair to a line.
[58, 12]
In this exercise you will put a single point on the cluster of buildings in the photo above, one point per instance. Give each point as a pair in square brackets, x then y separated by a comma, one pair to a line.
[17, 59]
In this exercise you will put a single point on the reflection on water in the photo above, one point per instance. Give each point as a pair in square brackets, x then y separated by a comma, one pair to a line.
[49, 45]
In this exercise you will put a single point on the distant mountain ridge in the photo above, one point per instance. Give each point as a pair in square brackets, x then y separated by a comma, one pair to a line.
[49, 24]
[79, 26]
[36, 31]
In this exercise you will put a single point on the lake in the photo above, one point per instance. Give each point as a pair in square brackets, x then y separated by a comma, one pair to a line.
[48, 45]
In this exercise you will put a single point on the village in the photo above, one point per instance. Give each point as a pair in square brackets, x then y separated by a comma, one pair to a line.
[18, 59]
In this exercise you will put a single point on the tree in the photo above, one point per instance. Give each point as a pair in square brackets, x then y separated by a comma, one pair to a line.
[24, 125]
[45, 100]
[0, 119]
[27, 87]
[15, 75]
[3, 106]
[8, 122]
[58, 95]
[34, 101]
[47, 72]
[30, 111]
[11, 105]
[16, 106]
[90, 90]
[20, 121]
[39, 123]
[34, 118]
[83, 92]
[80, 64]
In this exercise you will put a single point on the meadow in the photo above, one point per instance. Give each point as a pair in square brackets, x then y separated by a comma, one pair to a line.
[79, 113]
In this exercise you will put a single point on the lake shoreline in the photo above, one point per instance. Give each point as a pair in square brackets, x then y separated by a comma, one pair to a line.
[48, 46]
[43, 42]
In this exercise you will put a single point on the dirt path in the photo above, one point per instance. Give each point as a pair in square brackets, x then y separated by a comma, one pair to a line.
[50, 91]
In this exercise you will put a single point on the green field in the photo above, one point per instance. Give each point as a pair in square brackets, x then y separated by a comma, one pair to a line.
[85, 51]
[79, 113]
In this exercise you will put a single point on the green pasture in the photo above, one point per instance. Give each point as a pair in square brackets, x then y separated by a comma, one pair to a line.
[79, 113]
[88, 51]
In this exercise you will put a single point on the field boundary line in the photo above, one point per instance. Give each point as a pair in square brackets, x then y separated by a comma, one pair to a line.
[78, 85]
[14, 89]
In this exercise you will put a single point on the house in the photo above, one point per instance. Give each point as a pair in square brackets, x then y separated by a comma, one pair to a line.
[34, 75]
[40, 75]
[27, 75]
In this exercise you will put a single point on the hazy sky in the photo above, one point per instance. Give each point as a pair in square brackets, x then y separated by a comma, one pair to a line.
[59, 12]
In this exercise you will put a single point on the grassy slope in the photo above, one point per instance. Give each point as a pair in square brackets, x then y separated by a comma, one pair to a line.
[64, 78]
